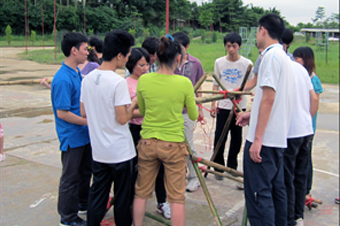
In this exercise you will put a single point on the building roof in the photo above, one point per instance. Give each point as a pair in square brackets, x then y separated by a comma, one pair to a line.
[319, 30]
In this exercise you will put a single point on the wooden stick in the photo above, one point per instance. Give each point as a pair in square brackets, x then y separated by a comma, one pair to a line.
[205, 188]
[23, 82]
[233, 93]
[223, 175]
[244, 218]
[199, 83]
[158, 218]
[219, 82]
[200, 100]
[216, 165]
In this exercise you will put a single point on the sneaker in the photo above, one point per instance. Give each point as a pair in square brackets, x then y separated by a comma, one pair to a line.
[193, 185]
[78, 222]
[2, 157]
[240, 186]
[82, 210]
[337, 201]
[164, 209]
[299, 222]
[218, 177]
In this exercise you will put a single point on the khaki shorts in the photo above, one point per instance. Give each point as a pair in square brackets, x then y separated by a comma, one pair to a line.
[173, 155]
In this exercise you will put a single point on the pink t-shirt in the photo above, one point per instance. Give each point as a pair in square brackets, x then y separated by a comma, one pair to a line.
[1, 131]
[132, 85]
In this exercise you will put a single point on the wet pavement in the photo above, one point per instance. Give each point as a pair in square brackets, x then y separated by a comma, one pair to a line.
[29, 177]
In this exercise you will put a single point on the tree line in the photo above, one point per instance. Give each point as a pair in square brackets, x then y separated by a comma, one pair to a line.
[136, 15]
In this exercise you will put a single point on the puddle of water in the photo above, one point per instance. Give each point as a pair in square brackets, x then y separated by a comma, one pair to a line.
[27, 112]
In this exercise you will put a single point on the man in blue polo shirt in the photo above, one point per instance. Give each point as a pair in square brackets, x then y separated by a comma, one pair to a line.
[76, 155]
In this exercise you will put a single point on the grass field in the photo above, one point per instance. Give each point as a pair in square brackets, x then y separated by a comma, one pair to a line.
[208, 53]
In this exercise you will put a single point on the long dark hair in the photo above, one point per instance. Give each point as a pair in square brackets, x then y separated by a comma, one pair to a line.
[167, 51]
[307, 54]
[92, 57]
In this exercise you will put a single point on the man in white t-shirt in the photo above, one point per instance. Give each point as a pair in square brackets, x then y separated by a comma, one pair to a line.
[104, 102]
[300, 133]
[270, 117]
[231, 70]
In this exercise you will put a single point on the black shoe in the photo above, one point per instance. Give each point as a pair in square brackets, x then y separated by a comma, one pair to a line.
[218, 177]
[78, 222]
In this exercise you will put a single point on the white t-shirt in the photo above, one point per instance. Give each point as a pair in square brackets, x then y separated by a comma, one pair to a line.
[275, 72]
[231, 75]
[101, 92]
[301, 123]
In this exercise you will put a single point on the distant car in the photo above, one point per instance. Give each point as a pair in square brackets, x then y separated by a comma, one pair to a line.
[333, 39]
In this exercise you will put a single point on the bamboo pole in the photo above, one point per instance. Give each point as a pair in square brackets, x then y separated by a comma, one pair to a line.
[23, 82]
[158, 218]
[204, 188]
[244, 218]
[216, 165]
[200, 100]
[223, 175]
[219, 82]
[199, 83]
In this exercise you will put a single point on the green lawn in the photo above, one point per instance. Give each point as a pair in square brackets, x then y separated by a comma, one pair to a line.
[208, 53]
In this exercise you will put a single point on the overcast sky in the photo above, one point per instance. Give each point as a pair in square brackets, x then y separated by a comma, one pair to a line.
[295, 11]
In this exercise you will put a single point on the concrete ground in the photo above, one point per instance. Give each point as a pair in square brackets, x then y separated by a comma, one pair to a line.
[29, 177]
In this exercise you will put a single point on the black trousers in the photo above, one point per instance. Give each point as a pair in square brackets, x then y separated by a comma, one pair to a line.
[103, 176]
[264, 187]
[159, 186]
[235, 140]
[297, 158]
[74, 181]
[310, 168]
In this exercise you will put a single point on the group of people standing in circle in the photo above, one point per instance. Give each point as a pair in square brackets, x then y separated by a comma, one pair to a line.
[138, 125]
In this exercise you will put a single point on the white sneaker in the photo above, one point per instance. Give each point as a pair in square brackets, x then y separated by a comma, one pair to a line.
[164, 209]
[193, 185]
[299, 222]
[2, 157]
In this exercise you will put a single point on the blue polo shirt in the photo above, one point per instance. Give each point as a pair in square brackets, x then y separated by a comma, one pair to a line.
[65, 95]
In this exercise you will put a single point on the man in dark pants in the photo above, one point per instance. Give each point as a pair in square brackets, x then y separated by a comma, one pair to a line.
[297, 153]
[76, 157]
[270, 117]
[106, 103]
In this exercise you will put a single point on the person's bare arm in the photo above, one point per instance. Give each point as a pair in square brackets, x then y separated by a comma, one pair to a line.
[314, 102]
[136, 114]
[213, 104]
[251, 83]
[124, 113]
[82, 110]
[265, 109]
[71, 117]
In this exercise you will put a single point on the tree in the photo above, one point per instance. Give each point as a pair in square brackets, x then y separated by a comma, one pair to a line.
[33, 36]
[319, 15]
[9, 34]
[205, 18]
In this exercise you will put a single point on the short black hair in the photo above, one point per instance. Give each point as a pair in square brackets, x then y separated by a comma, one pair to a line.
[274, 24]
[232, 38]
[287, 36]
[97, 42]
[151, 44]
[167, 51]
[136, 54]
[182, 38]
[117, 41]
[70, 40]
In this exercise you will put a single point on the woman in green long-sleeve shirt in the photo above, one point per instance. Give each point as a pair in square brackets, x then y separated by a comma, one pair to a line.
[161, 99]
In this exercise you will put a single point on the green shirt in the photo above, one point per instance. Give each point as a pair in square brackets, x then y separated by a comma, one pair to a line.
[161, 99]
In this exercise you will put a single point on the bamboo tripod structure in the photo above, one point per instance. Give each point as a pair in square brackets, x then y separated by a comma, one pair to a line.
[195, 160]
